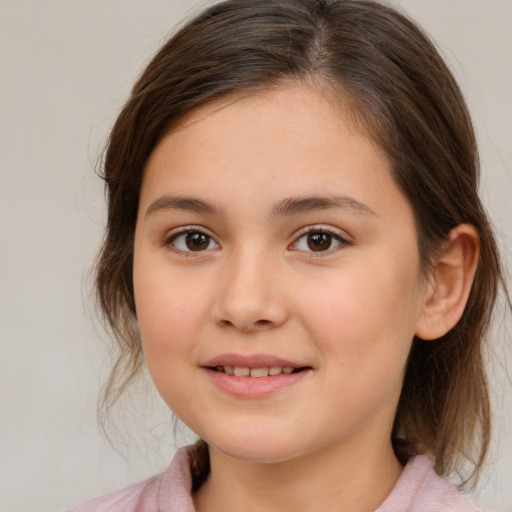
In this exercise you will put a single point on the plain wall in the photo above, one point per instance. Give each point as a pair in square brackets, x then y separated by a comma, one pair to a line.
[66, 68]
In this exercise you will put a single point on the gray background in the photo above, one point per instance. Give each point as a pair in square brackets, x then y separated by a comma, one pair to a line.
[65, 69]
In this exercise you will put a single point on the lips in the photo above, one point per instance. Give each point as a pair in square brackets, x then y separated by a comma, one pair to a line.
[245, 371]
[252, 361]
[254, 376]
[255, 365]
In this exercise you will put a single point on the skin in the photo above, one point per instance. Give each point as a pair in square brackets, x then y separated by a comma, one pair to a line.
[349, 312]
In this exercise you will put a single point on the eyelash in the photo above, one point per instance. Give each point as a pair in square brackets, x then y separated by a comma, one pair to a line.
[170, 240]
[322, 230]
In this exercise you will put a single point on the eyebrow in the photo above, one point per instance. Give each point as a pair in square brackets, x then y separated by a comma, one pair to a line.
[294, 206]
[286, 207]
[188, 204]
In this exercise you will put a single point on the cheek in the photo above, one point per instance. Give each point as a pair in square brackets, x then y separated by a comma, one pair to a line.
[167, 313]
[365, 320]
[169, 307]
[364, 344]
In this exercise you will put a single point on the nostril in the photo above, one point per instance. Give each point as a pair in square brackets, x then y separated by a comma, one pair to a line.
[257, 324]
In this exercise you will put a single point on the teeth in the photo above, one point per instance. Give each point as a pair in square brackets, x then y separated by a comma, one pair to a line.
[259, 372]
[242, 371]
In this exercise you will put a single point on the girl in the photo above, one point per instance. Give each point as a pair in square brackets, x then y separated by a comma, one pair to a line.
[296, 249]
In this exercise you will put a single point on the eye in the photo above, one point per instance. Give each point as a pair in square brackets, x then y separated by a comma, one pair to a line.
[318, 240]
[191, 241]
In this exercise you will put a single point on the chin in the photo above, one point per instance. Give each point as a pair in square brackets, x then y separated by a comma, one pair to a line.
[256, 436]
[259, 448]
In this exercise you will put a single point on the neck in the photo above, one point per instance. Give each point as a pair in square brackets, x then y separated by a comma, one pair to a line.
[334, 478]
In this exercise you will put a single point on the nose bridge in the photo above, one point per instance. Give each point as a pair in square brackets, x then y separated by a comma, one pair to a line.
[250, 297]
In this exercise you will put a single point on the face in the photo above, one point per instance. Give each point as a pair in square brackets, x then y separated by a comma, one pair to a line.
[277, 278]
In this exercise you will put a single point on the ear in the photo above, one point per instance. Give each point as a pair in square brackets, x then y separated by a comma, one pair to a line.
[450, 283]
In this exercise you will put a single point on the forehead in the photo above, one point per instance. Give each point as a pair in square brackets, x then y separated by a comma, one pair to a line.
[286, 141]
[335, 106]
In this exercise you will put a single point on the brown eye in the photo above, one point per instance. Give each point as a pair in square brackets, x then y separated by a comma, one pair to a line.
[192, 241]
[319, 241]
[197, 241]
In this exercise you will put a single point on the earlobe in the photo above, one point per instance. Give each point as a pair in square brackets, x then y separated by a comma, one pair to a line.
[450, 284]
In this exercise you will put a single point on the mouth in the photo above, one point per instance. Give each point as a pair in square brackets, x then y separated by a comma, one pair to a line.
[257, 373]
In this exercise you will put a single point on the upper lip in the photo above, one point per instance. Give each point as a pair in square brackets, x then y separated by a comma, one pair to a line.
[251, 361]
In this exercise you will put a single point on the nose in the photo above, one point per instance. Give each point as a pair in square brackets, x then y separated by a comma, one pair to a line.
[250, 298]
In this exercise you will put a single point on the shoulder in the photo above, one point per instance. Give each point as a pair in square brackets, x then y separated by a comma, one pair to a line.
[420, 489]
[167, 491]
[129, 499]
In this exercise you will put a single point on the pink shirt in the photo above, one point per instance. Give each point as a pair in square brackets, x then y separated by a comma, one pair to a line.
[419, 489]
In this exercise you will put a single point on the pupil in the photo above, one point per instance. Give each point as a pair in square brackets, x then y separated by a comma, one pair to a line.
[319, 241]
[197, 241]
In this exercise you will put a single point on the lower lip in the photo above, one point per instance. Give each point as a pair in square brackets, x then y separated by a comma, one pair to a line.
[254, 387]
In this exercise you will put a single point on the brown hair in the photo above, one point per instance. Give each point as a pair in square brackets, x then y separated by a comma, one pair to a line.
[390, 76]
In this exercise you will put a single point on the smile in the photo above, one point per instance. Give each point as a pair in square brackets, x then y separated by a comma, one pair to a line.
[244, 371]
[254, 377]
